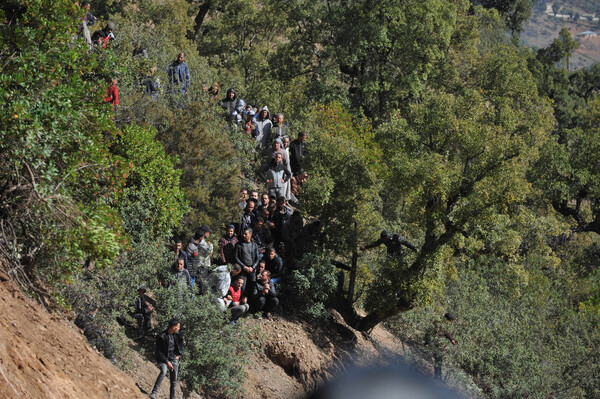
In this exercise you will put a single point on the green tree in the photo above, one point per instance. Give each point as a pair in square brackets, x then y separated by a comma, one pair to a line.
[56, 164]
[462, 159]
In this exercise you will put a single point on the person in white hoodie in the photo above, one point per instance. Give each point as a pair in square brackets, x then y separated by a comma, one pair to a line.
[263, 128]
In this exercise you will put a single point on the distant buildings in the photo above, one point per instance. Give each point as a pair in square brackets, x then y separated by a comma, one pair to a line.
[584, 17]
[587, 33]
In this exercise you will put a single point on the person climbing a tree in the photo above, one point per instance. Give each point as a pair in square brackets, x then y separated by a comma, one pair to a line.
[393, 243]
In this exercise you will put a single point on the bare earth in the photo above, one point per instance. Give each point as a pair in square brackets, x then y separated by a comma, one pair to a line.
[41, 357]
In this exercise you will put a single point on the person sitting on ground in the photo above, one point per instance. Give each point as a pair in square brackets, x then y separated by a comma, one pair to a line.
[238, 302]
[227, 244]
[103, 36]
[219, 281]
[150, 84]
[179, 74]
[181, 276]
[274, 264]
[142, 311]
[169, 348]
[264, 296]
[236, 271]
[393, 242]
[246, 253]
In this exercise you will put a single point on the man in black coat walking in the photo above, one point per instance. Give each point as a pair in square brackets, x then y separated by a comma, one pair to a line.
[169, 346]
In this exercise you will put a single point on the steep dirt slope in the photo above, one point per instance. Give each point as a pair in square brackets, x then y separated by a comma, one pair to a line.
[41, 357]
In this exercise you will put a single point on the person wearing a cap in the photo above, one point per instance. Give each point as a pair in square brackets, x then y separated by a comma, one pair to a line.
[103, 36]
[250, 126]
[393, 242]
[142, 311]
[169, 348]
[205, 250]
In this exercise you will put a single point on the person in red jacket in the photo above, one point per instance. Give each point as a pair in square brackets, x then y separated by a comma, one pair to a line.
[112, 93]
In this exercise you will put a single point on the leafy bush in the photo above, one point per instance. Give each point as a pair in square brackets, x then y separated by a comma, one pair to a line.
[312, 285]
[216, 353]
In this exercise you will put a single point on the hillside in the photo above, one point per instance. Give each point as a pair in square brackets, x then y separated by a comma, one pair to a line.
[50, 358]
[543, 27]
[40, 357]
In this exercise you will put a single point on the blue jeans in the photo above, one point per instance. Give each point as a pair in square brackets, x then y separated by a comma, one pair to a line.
[173, 377]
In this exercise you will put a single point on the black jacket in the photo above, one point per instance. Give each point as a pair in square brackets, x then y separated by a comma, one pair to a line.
[162, 346]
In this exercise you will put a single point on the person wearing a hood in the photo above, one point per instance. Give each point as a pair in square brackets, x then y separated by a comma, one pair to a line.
[287, 187]
[179, 73]
[228, 103]
[277, 176]
[263, 128]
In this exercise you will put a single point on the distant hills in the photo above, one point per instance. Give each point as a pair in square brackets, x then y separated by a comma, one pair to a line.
[579, 16]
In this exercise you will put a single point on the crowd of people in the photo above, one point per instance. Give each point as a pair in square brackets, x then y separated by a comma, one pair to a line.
[244, 269]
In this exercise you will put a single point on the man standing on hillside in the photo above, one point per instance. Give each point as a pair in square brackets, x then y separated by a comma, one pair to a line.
[179, 74]
[169, 346]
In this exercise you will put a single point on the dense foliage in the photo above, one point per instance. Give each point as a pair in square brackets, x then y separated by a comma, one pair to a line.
[423, 118]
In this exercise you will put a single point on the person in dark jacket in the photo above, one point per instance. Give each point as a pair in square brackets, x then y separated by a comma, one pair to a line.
[274, 264]
[179, 253]
[179, 74]
[246, 254]
[393, 243]
[142, 311]
[89, 18]
[227, 244]
[298, 152]
[103, 36]
[264, 297]
[169, 347]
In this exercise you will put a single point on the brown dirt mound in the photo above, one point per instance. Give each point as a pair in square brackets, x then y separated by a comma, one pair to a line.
[41, 358]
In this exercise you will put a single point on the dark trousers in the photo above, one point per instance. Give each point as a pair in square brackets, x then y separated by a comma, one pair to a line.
[265, 305]
[173, 377]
